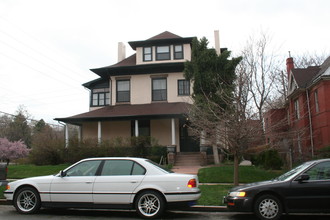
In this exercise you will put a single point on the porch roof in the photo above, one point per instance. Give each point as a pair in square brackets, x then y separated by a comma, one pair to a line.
[130, 112]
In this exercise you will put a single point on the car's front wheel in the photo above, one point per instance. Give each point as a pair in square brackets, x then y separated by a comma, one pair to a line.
[150, 204]
[27, 200]
[268, 207]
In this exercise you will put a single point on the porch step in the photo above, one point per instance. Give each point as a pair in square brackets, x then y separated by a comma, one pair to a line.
[188, 162]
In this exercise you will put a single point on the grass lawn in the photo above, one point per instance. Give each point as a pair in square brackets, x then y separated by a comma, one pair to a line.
[23, 171]
[225, 174]
[212, 194]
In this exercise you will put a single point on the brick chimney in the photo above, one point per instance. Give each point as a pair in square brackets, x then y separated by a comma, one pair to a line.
[289, 65]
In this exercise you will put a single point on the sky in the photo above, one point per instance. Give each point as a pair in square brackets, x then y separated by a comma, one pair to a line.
[47, 47]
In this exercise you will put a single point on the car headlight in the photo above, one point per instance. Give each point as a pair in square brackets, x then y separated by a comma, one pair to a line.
[237, 194]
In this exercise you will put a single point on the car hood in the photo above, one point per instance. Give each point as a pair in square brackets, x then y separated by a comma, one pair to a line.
[255, 184]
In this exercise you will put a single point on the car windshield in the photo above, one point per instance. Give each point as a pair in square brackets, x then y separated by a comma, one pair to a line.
[160, 167]
[288, 175]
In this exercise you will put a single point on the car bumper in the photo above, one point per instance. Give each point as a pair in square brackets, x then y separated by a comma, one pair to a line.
[239, 204]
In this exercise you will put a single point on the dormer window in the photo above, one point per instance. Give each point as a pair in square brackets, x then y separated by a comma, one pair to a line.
[163, 53]
[147, 54]
[178, 52]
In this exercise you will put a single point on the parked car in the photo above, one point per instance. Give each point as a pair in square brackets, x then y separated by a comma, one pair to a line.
[304, 189]
[114, 183]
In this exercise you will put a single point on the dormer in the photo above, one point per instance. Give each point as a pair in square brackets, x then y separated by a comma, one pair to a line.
[163, 48]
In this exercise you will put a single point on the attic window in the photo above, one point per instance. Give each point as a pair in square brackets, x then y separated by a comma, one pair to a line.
[178, 52]
[163, 53]
[147, 54]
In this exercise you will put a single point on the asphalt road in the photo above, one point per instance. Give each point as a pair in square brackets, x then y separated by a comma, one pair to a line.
[9, 213]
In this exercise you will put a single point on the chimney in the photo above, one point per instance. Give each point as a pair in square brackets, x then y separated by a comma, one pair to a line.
[289, 65]
[121, 51]
[217, 42]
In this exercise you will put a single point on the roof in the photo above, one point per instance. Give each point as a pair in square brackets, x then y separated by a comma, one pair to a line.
[304, 76]
[163, 38]
[130, 112]
[128, 65]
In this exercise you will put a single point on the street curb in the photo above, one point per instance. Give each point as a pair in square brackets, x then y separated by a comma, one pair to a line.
[202, 208]
[4, 202]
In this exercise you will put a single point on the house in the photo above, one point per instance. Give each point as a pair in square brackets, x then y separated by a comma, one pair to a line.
[307, 112]
[144, 94]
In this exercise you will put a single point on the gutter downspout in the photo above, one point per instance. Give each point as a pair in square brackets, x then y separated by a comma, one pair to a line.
[310, 123]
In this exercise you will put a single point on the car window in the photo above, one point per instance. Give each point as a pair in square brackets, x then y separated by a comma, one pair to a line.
[320, 171]
[117, 167]
[86, 168]
[138, 169]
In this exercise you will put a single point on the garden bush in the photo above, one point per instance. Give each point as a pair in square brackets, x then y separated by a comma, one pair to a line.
[54, 152]
[269, 159]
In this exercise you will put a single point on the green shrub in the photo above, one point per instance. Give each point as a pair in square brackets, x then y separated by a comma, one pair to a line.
[53, 151]
[269, 159]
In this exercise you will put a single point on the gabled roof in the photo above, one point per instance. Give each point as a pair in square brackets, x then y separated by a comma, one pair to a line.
[130, 112]
[304, 76]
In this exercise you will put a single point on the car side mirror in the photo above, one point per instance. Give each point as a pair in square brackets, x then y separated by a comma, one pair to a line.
[303, 177]
[63, 173]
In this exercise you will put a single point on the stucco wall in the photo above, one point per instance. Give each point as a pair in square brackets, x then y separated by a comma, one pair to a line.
[161, 130]
[141, 88]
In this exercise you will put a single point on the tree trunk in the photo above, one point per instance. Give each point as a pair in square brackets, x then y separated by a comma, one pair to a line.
[215, 154]
[236, 167]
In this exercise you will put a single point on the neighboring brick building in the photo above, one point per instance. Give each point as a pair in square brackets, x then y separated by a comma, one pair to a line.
[307, 112]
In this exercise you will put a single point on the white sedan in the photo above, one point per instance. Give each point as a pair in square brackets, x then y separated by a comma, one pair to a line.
[113, 183]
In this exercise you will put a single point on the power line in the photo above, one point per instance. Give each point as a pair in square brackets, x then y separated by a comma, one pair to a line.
[30, 119]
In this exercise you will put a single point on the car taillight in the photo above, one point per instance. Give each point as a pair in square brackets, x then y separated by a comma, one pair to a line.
[192, 183]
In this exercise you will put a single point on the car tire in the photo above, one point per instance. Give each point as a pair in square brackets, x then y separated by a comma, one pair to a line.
[27, 200]
[150, 204]
[268, 207]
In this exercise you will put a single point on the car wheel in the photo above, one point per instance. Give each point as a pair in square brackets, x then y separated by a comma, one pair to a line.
[27, 200]
[150, 204]
[268, 207]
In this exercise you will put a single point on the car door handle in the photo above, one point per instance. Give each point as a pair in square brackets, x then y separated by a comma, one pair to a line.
[134, 181]
[88, 182]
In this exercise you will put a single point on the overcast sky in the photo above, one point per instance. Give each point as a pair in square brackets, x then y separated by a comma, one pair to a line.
[48, 46]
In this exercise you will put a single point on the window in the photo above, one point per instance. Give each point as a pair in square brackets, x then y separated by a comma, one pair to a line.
[163, 53]
[123, 90]
[296, 109]
[320, 171]
[122, 167]
[100, 97]
[147, 54]
[183, 87]
[178, 52]
[86, 168]
[159, 89]
[317, 109]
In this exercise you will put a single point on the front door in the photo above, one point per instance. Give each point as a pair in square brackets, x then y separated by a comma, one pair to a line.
[188, 142]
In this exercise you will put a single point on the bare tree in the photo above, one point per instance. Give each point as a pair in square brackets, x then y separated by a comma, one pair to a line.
[261, 64]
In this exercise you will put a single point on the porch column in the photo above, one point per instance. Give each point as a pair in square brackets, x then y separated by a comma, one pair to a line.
[79, 133]
[173, 131]
[136, 128]
[66, 135]
[99, 132]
